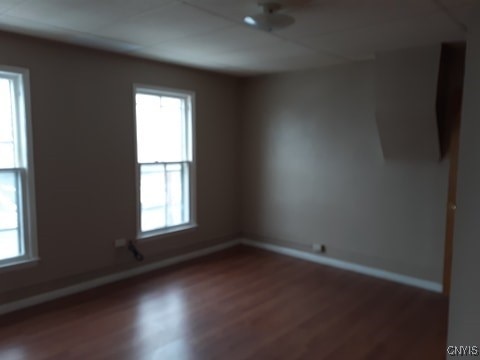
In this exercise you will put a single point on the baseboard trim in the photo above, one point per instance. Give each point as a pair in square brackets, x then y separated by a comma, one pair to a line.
[104, 280]
[87, 285]
[366, 270]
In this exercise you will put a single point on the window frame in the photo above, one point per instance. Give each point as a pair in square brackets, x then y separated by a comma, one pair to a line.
[189, 97]
[25, 171]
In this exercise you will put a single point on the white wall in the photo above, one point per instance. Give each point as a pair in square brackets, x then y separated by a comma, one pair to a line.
[464, 321]
[313, 172]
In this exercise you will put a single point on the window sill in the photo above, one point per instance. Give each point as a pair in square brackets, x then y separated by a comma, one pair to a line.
[156, 234]
[19, 264]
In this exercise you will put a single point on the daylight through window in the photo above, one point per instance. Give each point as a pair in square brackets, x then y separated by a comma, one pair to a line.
[17, 243]
[164, 159]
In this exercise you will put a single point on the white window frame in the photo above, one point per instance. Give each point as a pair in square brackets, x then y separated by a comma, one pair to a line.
[189, 97]
[20, 78]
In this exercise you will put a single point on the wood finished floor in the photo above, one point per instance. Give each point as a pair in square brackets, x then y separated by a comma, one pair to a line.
[242, 303]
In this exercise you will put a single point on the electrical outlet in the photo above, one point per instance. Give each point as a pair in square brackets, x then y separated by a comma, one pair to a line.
[121, 242]
[319, 248]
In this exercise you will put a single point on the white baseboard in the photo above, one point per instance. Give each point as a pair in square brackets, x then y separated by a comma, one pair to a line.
[70, 290]
[366, 270]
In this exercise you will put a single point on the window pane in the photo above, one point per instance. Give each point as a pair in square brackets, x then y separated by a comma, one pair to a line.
[7, 149]
[6, 127]
[7, 155]
[8, 201]
[171, 134]
[160, 135]
[174, 195]
[152, 197]
[9, 232]
[171, 102]
[9, 244]
[148, 128]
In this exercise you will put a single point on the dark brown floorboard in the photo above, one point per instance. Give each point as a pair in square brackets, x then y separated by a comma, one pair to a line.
[242, 303]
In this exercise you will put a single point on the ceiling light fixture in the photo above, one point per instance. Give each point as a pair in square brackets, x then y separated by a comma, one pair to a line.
[269, 19]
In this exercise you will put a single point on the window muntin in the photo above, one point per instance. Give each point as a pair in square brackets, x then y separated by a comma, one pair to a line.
[17, 240]
[164, 159]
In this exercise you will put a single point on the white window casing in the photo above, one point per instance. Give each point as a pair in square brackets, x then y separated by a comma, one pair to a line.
[18, 240]
[165, 160]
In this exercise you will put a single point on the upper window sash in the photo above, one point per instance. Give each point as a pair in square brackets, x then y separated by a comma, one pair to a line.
[17, 101]
[158, 146]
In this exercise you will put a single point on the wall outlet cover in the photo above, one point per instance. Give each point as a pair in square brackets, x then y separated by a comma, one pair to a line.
[122, 242]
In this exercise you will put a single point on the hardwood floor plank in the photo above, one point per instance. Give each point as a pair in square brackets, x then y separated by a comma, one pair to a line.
[242, 303]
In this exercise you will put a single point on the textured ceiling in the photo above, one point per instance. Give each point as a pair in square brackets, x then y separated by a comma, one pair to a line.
[210, 34]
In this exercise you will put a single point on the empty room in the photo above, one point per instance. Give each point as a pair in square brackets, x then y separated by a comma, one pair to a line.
[239, 179]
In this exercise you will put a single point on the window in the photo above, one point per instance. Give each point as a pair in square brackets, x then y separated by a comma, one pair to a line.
[17, 218]
[165, 166]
